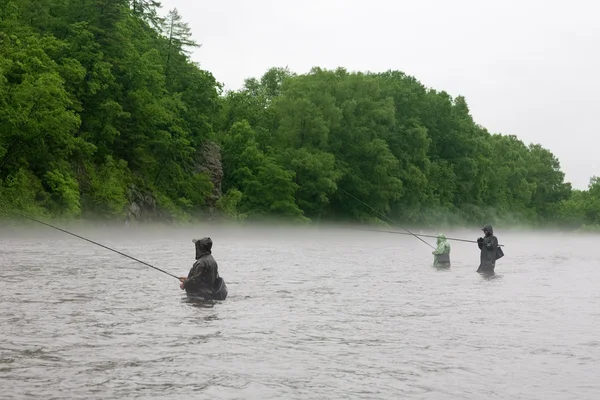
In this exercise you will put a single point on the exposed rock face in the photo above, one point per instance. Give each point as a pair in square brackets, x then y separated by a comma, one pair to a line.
[142, 206]
[209, 162]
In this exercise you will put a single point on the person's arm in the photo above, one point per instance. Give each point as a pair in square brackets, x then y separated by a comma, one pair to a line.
[480, 243]
[492, 244]
[196, 272]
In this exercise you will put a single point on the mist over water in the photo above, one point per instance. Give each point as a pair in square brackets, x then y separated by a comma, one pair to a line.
[312, 313]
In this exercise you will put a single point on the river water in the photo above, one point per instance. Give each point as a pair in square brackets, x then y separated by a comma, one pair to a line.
[311, 314]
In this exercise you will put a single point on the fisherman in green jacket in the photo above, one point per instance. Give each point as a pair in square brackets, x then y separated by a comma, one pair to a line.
[441, 255]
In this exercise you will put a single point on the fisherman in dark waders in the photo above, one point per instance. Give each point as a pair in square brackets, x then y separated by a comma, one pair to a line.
[490, 252]
[203, 280]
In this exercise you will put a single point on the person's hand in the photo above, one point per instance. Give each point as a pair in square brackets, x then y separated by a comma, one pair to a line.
[182, 285]
[182, 279]
[480, 240]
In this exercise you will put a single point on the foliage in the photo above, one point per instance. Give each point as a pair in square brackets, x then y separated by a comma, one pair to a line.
[409, 152]
[583, 207]
[228, 205]
[100, 96]
[94, 96]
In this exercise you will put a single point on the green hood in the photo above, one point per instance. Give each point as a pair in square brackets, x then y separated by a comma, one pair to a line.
[441, 238]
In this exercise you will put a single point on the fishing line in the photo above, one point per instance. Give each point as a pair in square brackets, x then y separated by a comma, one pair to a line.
[96, 243]
[384, 216]
[427, 236]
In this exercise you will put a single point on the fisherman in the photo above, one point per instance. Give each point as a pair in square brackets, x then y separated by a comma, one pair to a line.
[441, 255]
[490, 251]
[204, 274]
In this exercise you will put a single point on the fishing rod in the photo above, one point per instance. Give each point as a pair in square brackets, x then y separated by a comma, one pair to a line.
[427, 236]
[97, 244]
[385, 216]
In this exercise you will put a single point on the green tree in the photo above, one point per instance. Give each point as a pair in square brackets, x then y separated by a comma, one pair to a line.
[100, 100]
[268, 189]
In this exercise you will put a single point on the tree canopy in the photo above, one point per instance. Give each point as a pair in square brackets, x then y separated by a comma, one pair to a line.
[101, 106]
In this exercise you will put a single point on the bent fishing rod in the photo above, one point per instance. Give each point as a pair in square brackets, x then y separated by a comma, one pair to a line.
[427, 236]
[96, 243]
[384, 216]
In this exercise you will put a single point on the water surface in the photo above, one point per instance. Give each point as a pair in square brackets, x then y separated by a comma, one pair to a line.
[310, 315]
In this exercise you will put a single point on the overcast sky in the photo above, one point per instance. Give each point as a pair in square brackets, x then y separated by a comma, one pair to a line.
[529, 68]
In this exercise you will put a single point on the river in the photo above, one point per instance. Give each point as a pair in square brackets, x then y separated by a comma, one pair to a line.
[311, 314]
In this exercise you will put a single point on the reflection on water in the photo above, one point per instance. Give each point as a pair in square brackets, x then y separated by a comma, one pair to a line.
[198, 301]
[311, 315]
[489, 275]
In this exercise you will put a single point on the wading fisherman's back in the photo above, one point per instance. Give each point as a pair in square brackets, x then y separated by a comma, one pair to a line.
[203, 279]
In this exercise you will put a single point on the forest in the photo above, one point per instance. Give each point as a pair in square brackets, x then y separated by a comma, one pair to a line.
[103, 115]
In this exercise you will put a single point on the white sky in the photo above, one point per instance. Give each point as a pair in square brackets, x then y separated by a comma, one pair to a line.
[529, 68]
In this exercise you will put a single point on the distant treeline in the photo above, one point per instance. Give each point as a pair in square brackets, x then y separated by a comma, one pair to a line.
[103, 114]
